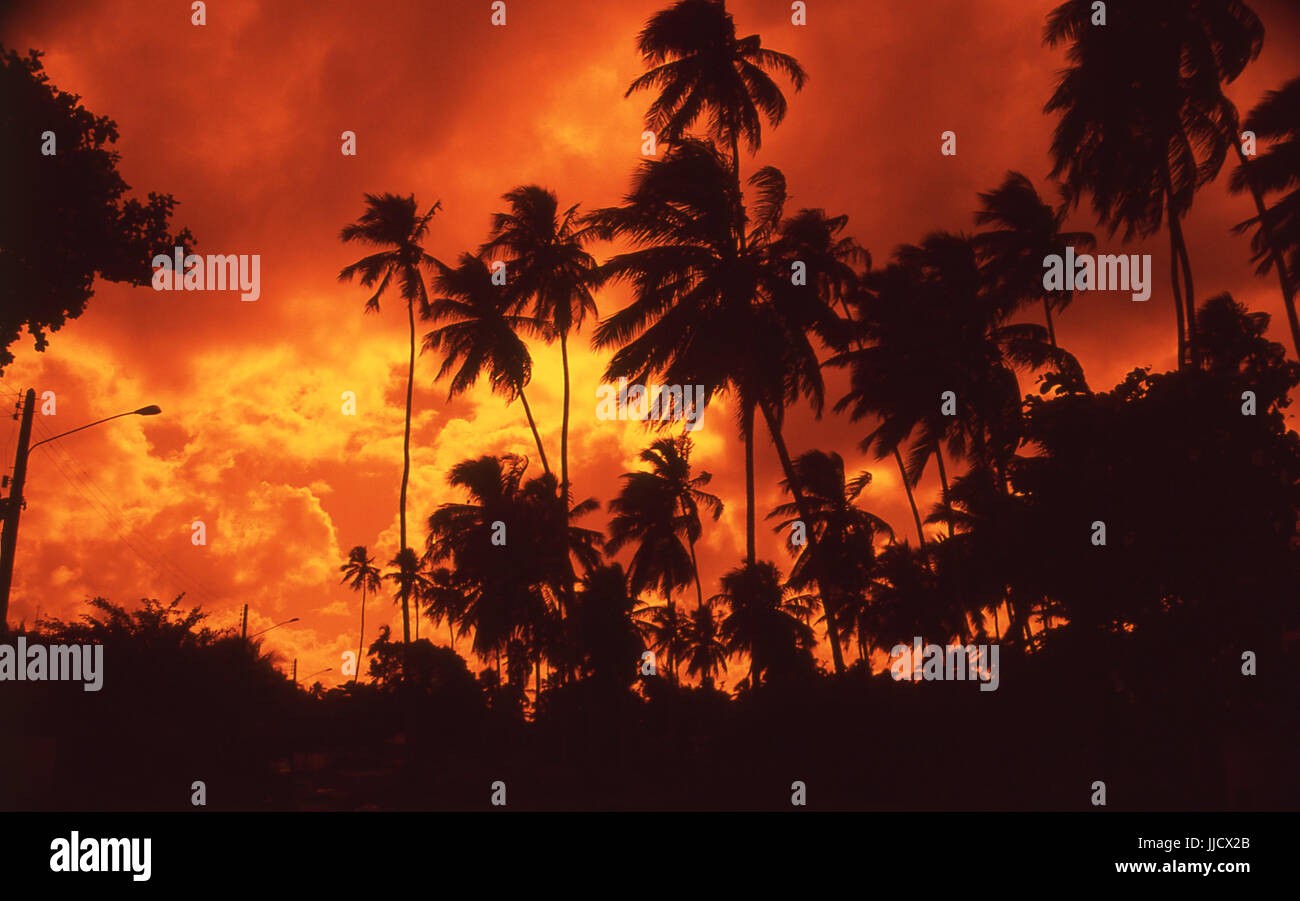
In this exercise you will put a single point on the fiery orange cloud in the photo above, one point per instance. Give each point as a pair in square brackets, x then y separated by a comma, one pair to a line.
[241, 120]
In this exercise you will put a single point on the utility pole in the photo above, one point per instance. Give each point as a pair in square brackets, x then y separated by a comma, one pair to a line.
[13, 507]
[243, 629]
[295, 672]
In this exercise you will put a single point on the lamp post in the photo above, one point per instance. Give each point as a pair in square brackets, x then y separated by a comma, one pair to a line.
[13, 505]
[317, 673]
[269, 628]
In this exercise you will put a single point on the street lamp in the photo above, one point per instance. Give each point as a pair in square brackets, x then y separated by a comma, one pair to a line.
[317, 673]
[13, 505]
[269, 628]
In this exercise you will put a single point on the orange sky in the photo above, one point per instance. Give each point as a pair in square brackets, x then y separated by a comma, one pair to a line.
[240, 120]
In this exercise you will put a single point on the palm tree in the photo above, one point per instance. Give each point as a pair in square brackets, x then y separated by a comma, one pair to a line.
[707, 311]
[1277, 241]
[483, 336]
[844, 535]
[762, 623]
[448, 597]
[606, 635]
[664, 629]
[702, 645]
[508, 581]
[656, 509]
[1144, 119]
[549, 269]
[701, 69]
[816, 240]
[1026, 231]
[936, 325]
[360, 574]
[392, 223]
[408, 573]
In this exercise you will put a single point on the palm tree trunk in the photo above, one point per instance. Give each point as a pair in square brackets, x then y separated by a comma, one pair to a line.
[943, 483]
[406, 469]
[451, 634]
[750, 530]
[564, 474]
[1189, 300]
[1051, 329]
[536, 437]
[796, 489]
[1174, 283]
[695, 567]
[564, 429]
[1286, 278]
[911, 499]
[361, 639]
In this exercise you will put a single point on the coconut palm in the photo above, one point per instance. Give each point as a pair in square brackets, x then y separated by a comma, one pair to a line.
[408, 573]
[1144, 121]
[702, 645]
[509, 549]
[816, 240]
[656, 509]
[449, 595]
[762, 623]
[392, 223]
[845, 534]
[360, 574]
[483, 336]
[547, 269]
[1026, 230]
[934, 323]
[700, 69]
[1276, 242]
[664, 630]
[708, 311]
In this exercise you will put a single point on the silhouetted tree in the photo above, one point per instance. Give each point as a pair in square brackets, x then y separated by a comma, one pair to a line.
[360, 574]
[392, 223]
[74, 224]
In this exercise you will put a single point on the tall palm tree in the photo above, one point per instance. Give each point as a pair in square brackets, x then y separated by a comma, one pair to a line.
[1144, 121]
[392, 223]
[549, 269]
[483, 336]
[702, 70]
[708, 311]
[817, 240]
[1276, 243]
[1026, 230]
[656, 509]
[360, 574]
[936, 325]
